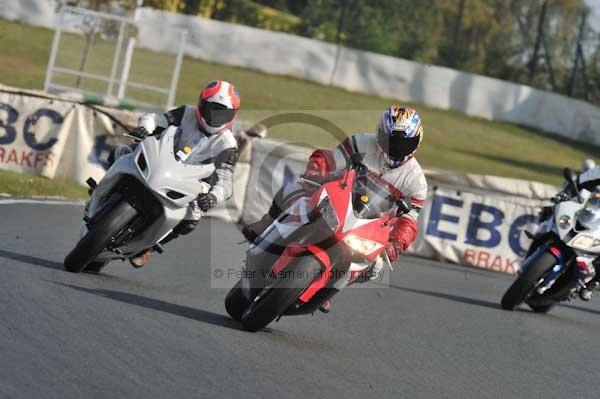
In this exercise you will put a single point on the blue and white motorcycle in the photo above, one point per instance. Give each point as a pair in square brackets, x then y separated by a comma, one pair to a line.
[562, 260]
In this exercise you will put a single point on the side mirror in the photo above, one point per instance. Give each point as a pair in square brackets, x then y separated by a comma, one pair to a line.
[356, 159]
[571, 178]
[403, 208]
[569, 175]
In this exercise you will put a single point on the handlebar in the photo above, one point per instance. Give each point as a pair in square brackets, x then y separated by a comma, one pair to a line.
[308, 181]
[560, 197]
[138, 139]
[403, 208]
[571, 178]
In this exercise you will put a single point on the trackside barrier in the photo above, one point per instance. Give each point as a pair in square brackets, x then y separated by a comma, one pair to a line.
[62, 138]
[52, 137]
[468, 219]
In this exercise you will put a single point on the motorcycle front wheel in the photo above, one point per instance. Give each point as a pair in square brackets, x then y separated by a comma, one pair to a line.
[235, 302]
[522, 287]
[542, 308]
[98, 237]
[290, 284]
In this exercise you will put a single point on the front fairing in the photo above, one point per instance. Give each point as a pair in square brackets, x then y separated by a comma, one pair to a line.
[168, 173]
[573, 229]
[325, 219]
[565, 211]
[352, 222]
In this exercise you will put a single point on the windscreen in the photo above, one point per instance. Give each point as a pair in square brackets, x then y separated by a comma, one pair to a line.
[371, 196]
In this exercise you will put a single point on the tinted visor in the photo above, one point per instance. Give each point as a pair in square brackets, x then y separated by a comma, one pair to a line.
[397, 146]
[216, 114]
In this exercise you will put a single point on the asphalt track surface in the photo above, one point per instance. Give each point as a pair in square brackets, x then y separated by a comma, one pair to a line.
[162, 331]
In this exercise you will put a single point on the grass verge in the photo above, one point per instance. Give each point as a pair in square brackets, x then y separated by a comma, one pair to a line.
[18, 184]
[453, 141]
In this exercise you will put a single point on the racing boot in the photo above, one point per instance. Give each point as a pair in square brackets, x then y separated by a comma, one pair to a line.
[586, 293]
[326, 306]
[253, 230]
[141, 259]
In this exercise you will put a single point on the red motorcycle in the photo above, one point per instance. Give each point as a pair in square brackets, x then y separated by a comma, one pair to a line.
[322, 243]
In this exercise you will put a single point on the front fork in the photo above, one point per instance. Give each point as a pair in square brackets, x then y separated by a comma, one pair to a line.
[548, 281]
[585, 271]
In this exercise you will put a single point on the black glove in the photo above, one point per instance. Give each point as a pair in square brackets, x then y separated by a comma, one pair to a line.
[140, 132]
[207, 201]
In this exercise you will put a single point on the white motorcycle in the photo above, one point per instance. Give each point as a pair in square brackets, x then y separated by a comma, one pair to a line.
[561, 261]
[139, 201]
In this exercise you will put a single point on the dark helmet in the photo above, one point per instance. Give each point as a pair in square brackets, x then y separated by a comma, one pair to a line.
[399, 134]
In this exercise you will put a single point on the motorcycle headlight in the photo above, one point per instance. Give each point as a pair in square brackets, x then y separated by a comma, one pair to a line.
[361, 245]
[564, 222]
[328, 214]
[585, 242]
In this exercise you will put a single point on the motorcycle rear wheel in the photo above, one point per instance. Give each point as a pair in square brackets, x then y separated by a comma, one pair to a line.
[98, 237]
[297, 276]
[521, 288]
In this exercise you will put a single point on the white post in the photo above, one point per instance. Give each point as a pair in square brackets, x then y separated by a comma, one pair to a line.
[176, 70]
[54, 51]
[128, 56]
[113, 71]
[126, 68]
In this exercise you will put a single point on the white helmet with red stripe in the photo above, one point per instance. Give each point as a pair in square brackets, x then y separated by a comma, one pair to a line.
[217, 106]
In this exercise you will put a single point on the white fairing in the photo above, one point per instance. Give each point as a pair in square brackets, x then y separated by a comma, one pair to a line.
[568, 212]
[163, 172]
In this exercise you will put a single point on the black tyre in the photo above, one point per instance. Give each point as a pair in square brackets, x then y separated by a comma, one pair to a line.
[521, 288]
[560, 291]
[282, 294]
[542, 308]
[98, 236]
[235, 302]
[95, 267]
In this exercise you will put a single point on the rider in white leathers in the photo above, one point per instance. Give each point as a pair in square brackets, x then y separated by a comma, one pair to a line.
[210, 120]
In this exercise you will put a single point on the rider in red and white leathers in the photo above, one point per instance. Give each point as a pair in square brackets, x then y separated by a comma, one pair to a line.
[390, 152]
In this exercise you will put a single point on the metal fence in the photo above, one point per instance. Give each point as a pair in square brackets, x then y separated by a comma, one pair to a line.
[96, 54]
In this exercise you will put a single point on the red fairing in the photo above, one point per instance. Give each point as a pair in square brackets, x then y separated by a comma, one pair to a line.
[318, 284]
[404, 232]
[289, 253]
[294, 250]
